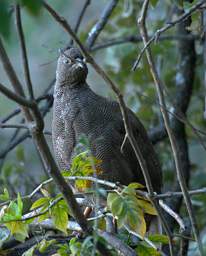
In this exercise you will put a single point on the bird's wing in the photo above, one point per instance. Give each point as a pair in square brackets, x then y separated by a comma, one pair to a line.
[146, 149]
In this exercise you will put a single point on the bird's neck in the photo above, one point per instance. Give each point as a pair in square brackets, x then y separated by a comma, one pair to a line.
[71, 89]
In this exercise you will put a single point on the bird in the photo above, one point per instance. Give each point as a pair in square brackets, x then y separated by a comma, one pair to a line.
[78, 111]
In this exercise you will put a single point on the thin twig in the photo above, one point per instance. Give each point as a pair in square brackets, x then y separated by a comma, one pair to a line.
[173, 214]
[81, 15]
[21, 126]
[138, 39]
[176, 194]
[23, 51]
[79, 19]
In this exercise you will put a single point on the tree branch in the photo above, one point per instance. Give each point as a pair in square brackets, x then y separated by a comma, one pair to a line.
[159, 86]
[79, 19]
[138, 39]
[15, 97]
[116, 243]
[184, 88]
[97, 28]
[23, 51]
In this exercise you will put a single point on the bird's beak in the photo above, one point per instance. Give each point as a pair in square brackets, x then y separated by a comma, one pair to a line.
[80, 62]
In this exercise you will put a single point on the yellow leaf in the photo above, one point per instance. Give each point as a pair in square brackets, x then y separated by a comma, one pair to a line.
[45, 192]
[147, 207]
[141, 228]
[18, 227]
[81, 185]
[136, 185]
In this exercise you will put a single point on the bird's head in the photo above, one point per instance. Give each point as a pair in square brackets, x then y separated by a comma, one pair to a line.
[71, 67]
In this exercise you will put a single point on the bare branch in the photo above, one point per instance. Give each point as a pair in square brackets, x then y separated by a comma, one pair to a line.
[81, 15]
[116, 243]
[79, 19]
[15, 97]
[13, 144]
[173, 214]
[23, 51]
[138, 39]
[176, 194]
[20, 126]
[95, 31]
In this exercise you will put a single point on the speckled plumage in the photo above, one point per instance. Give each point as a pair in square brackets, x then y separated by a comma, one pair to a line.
[78, 110]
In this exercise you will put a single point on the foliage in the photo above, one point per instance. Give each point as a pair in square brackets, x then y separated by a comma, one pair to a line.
[125, 205]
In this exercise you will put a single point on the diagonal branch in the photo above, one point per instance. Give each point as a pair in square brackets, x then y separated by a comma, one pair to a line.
[15, 97]
[95, 31]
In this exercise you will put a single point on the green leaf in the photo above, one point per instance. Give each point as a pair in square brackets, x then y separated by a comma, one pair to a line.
[5, 195]
[30, 252]
[179, 3]
[7, 170]
[5, 18]
[154, 2]
[43, 201]
[63, 250]
[20, 154]
[116, 204]
[156, 238]
[75, 247]
[59, 214]
[127, 211]
[32, 6]
[19, 204]
[19, 229]
[136, 185]
[143, 250]
[44, 245]
[129, 191]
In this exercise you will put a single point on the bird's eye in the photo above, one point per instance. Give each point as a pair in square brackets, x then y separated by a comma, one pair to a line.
[67, 61]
